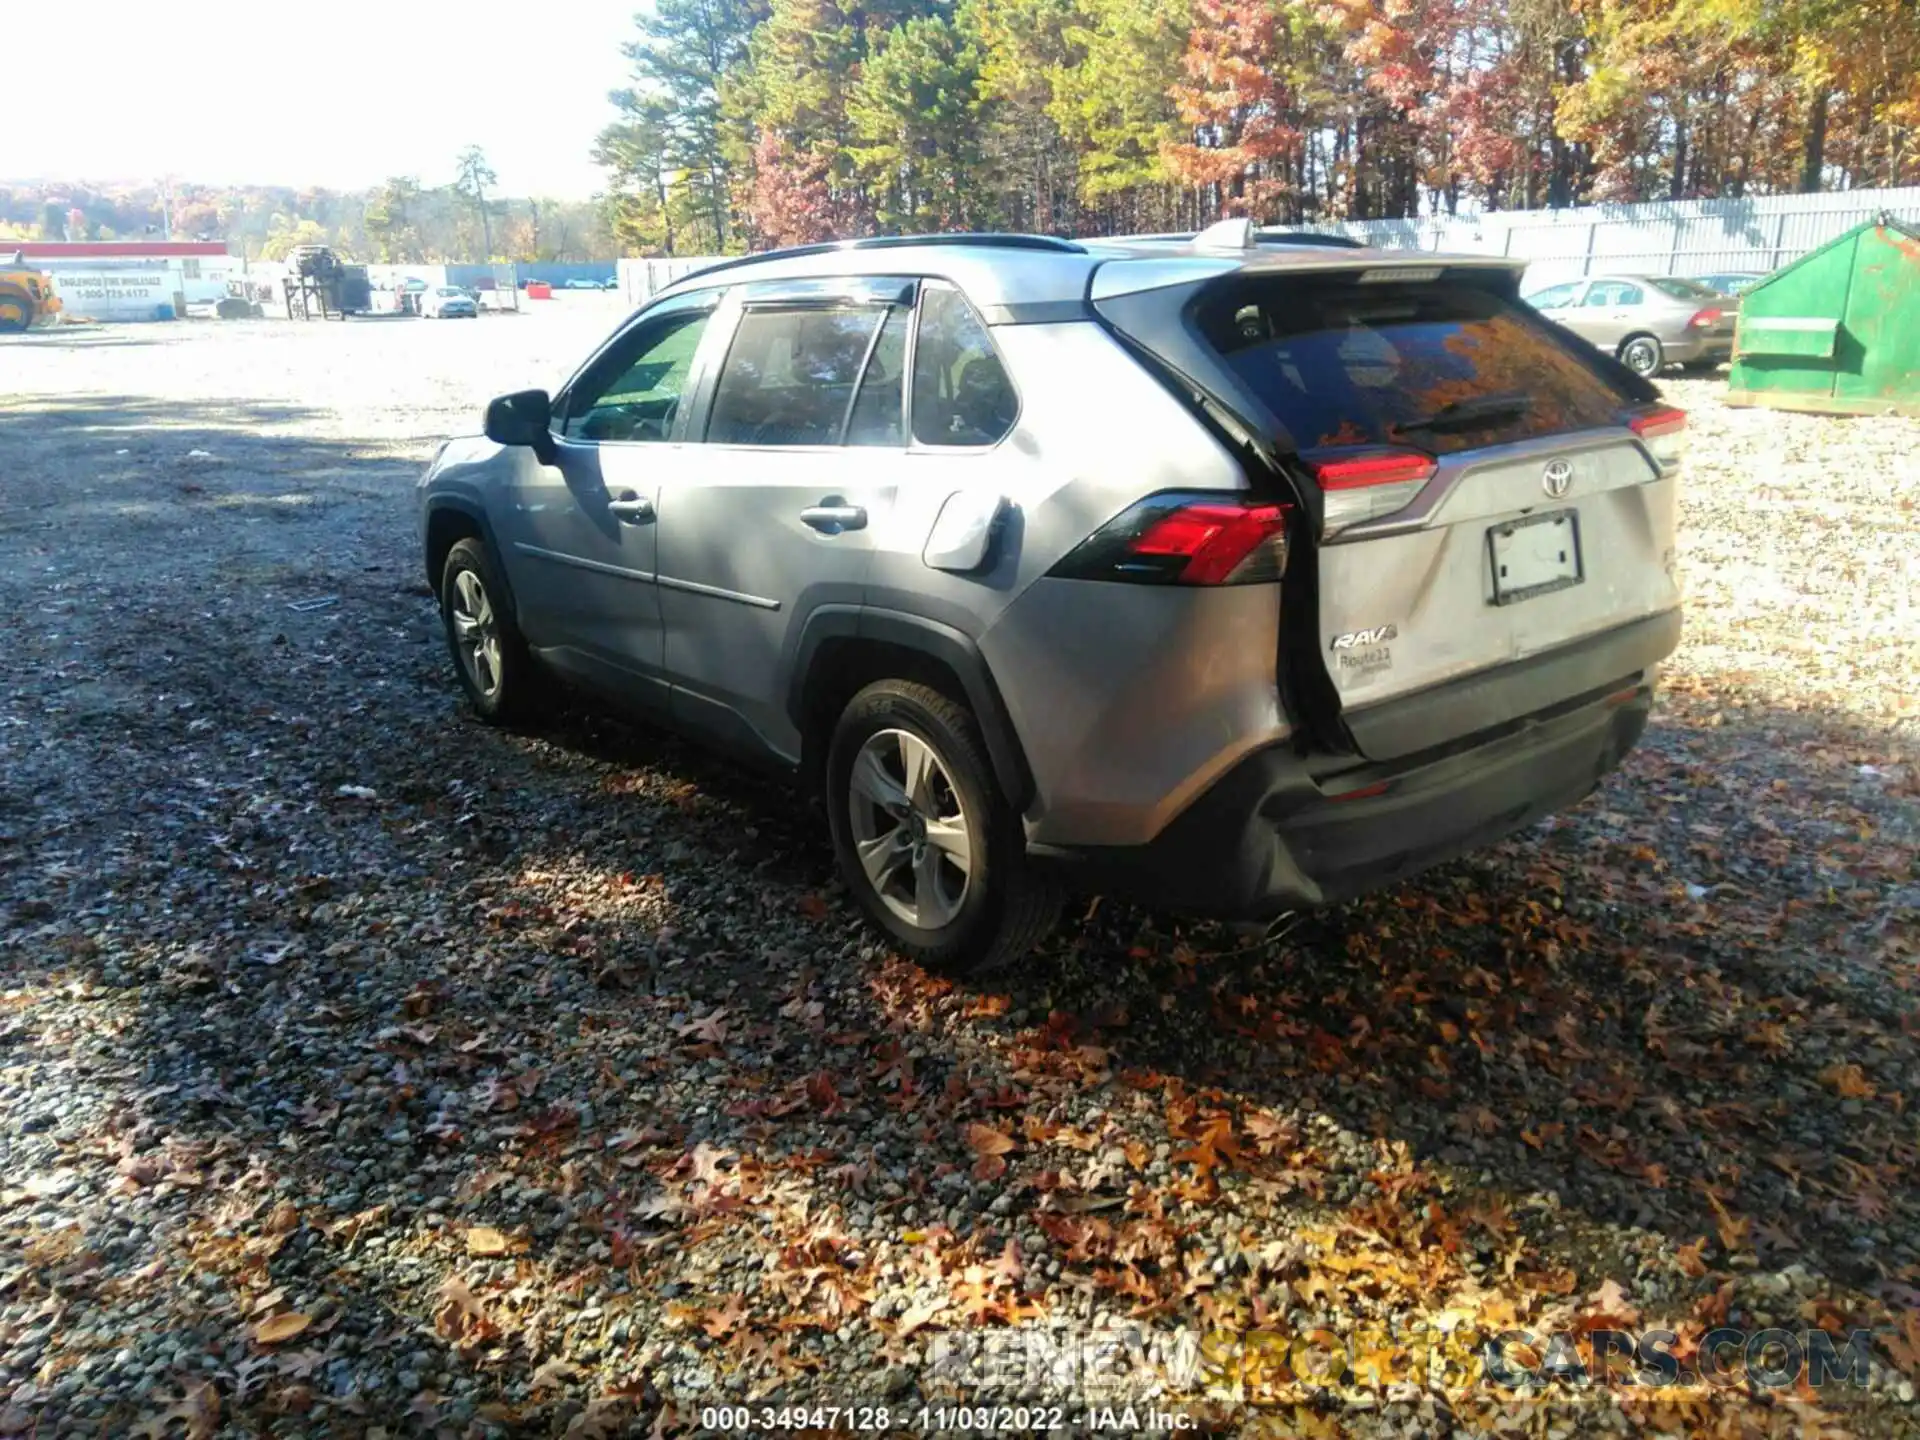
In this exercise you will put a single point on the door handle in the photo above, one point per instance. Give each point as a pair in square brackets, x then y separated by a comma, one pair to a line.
[832, 519]
[631, 508]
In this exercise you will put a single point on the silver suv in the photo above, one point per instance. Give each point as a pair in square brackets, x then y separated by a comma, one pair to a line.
[1239, 578]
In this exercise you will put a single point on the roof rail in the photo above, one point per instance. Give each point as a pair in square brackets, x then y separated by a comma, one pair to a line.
[894, 242]
[989, 240]
[1262, 235]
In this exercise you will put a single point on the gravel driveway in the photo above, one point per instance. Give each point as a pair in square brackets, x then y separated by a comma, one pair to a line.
[368, 1072]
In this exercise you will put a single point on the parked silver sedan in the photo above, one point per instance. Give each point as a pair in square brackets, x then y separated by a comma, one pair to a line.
[1648, 321]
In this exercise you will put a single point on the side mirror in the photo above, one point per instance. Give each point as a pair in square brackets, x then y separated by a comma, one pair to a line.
[522, 418]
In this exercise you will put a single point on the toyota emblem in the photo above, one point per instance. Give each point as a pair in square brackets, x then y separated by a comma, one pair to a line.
[1557, 478]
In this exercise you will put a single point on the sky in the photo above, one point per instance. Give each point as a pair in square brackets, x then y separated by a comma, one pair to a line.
[333, 93]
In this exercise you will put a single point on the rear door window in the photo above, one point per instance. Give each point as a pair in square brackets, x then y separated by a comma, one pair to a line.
[879, 407]
[1439, 366]
[1610, 294]
[789, 375]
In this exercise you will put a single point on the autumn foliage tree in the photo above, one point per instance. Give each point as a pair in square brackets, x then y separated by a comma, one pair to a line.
[1238, 109]
[807, 118]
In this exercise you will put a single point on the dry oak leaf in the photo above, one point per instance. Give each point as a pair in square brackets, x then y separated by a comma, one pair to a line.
[724, 1321]
[915, 1317]
[1611, 1306]
[460, 1314]
[710, 1028]
[281, 1327]
[283, 1219]
[484, 1240]
[555, 1373]
[985, 1140]
[1848, 1081]
[199, 1408]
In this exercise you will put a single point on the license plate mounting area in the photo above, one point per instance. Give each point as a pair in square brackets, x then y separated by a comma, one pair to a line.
[1534, 555]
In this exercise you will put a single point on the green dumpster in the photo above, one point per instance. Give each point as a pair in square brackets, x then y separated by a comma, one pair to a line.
[1837, 331]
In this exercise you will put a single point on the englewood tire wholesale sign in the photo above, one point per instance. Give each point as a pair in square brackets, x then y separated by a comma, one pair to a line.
[118, 292]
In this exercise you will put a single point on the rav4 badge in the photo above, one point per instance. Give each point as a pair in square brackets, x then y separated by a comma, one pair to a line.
[1354, 639]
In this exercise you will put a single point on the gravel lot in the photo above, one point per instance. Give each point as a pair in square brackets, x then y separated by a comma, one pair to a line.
[367, 1072]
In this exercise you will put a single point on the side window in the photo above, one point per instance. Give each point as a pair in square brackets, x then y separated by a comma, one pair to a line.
[1615, 292]
[878, 409]
[961, 394]
[1554, 296]
[634, 393]
[789, 376]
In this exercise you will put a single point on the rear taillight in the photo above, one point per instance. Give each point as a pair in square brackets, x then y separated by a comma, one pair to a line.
[1185, 539]
[1362, 485]
[1703, 318]
[1664, 429]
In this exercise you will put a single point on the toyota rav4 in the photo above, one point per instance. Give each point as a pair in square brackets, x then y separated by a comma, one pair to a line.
[1237, 577]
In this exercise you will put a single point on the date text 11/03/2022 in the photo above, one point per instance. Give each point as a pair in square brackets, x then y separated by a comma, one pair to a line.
[933, 1419]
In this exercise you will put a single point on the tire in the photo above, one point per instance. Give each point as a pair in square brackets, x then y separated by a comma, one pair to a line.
[16, 314]
[467, 579]
[1642, 355]
[986, 916]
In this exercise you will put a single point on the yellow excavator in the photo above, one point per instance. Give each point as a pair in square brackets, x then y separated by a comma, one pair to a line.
[26, 295]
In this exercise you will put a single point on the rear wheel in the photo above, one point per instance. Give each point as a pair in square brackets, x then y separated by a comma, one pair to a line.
[495, 668]
[926, 842]
[16, 313]
[1642, 355]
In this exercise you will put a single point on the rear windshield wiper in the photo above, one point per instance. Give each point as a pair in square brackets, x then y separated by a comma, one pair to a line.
[1465, 414]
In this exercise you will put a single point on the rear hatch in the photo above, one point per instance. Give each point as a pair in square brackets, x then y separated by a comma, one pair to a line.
[1479, 492]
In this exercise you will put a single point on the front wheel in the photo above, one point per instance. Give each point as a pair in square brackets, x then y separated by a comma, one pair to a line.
[1642, 355]
[925, 841]
[495, 668]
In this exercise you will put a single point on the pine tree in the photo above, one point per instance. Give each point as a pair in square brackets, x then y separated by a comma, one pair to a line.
[686, 51]
[912, 118]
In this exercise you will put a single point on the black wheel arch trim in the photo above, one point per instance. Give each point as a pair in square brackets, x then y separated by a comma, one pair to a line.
[470, 510]
[952, 648]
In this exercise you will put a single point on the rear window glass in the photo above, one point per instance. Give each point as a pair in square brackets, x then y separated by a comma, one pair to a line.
[1681, 288]
[1357, 364]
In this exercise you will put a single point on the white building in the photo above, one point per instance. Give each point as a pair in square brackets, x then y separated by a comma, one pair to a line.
[132, 279]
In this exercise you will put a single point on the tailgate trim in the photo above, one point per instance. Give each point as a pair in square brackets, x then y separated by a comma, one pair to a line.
[1507, 693]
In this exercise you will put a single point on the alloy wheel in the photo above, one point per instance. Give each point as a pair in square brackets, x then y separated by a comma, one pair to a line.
[476, 633]
[911, 833]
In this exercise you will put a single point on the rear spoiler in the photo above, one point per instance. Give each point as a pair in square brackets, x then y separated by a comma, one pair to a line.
[1128, 275]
